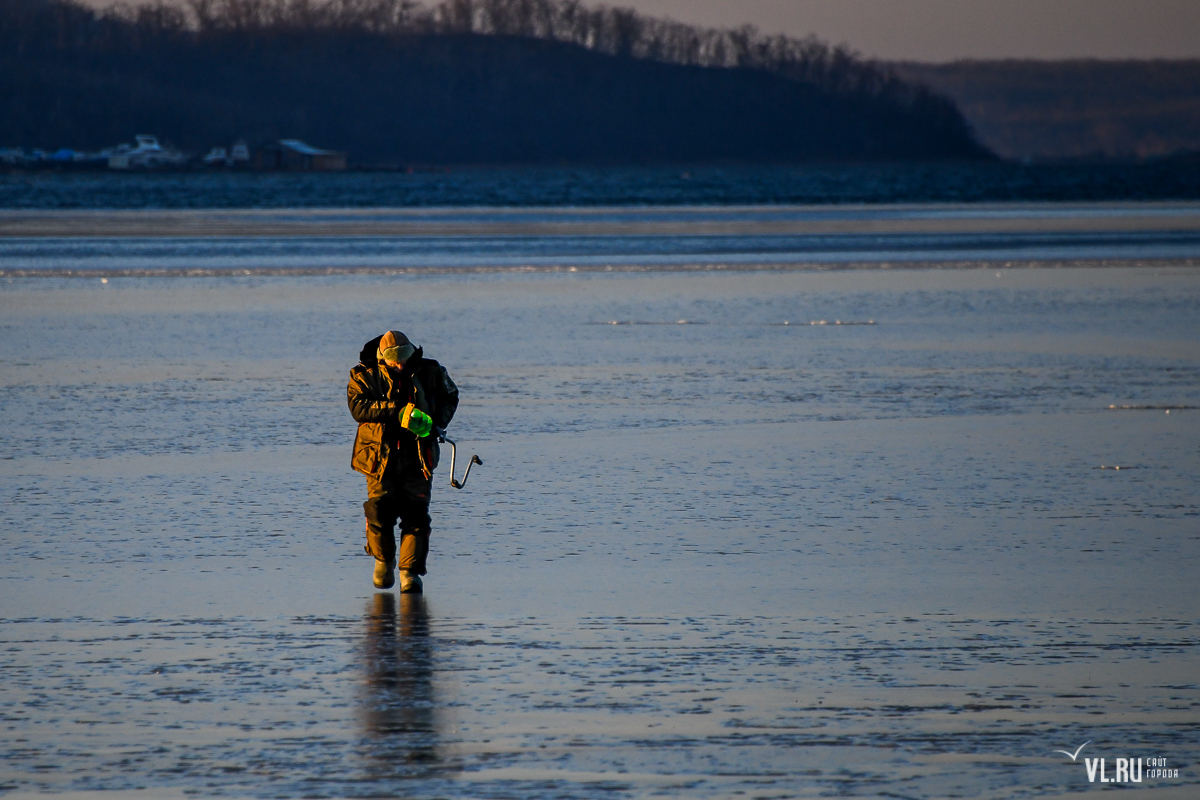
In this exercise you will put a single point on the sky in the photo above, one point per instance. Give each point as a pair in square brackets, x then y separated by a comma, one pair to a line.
[945, 30]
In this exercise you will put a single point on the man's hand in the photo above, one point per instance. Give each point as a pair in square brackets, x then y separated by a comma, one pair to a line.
[415, 420]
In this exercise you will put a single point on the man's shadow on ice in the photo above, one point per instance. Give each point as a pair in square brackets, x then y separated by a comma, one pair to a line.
[397, 711]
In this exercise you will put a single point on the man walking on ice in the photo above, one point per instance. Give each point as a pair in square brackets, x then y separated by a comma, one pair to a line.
[401, 401]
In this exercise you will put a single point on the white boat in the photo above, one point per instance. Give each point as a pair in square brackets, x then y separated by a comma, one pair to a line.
[147, 154]
[217, 157]
[236, 156]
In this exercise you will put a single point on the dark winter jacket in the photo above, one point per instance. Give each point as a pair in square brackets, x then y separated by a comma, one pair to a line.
[376, 401]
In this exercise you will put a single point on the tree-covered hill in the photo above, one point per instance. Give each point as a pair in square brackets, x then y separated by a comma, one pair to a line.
[492, 81]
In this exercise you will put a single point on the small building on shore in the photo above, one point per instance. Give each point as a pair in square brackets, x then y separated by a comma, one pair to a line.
[295, 155]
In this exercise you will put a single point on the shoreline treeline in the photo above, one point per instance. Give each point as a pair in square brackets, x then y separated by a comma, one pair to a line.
[459, 81]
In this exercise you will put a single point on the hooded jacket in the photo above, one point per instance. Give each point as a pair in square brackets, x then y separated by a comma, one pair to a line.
[376, 400]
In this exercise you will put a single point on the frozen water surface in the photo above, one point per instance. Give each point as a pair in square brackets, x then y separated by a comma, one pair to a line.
[717, 556]
[113, 243]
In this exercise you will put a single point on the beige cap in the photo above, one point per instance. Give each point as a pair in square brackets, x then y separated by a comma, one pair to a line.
[395, 348]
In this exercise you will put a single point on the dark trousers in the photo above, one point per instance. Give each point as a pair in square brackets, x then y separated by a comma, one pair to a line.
[401, 493]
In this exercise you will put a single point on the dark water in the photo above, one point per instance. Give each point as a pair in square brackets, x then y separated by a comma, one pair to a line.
[590, 186]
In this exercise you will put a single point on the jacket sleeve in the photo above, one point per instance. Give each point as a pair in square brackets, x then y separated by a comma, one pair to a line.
[447, 398]
[364, 407]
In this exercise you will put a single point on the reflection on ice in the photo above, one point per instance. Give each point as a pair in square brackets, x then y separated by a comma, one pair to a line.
[398, 703]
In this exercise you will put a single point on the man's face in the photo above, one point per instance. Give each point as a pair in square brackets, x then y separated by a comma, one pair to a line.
[394, 367]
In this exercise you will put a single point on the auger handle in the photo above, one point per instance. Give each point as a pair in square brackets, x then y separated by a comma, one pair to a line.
[457, 484]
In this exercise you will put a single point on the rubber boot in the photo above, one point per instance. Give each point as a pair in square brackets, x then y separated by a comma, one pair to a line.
[385, 578]
[410, 582]
[413, 551]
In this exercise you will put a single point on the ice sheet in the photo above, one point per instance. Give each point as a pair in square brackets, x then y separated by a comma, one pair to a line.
[718, 556]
